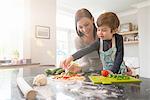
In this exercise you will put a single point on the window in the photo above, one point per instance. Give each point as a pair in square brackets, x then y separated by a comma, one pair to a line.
[11, 28]
[65, 45]
[65, 36]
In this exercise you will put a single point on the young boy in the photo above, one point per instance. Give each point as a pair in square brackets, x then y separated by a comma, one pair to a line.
[109, 45]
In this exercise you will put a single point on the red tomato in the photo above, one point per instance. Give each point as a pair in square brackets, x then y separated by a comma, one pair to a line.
[66, 77]
[104, 73]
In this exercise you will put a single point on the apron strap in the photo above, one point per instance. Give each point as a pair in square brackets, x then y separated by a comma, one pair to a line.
[101, 45]
[113, 42]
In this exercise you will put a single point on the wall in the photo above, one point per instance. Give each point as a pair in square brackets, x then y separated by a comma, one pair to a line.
[143, 21]
[40, 13]
[144, 47]
[27, 31]
[130, 50]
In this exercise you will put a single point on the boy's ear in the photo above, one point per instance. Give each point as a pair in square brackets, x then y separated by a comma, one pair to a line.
[115, 30]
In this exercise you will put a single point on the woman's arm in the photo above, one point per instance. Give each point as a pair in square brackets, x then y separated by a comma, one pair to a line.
[84, 61]
[94, 46]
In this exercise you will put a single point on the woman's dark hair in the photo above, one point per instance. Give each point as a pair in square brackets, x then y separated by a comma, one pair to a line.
[80, 14]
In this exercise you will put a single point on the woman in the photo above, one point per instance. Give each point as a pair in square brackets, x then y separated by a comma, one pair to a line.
[86, 31]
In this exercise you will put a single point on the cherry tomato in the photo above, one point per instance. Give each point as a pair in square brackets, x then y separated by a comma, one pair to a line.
[104, 73]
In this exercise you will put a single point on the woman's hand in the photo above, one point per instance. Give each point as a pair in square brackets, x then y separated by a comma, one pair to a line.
[73, 67]
[65, 63]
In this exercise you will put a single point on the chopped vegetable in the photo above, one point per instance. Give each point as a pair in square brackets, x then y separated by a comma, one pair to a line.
[59, 71]
[48, 72]
[104, 73]
[110, 75]
[54, 70]
[119, 76]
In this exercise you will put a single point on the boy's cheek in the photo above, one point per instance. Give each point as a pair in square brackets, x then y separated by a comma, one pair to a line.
[98, 34]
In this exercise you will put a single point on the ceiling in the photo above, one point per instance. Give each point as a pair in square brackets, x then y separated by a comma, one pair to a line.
[96, 6]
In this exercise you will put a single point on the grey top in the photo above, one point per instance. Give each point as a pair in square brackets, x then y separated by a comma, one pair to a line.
[89, 62]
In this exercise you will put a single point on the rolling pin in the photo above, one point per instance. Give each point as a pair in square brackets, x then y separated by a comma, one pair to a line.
[28, 92]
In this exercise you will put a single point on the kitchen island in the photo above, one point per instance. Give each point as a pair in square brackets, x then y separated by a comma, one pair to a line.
[57, 90]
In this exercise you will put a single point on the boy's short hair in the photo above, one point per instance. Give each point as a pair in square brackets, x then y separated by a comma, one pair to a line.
[110, 19]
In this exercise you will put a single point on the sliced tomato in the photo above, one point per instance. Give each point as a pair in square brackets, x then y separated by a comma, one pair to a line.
[66, 77]
[104, 73]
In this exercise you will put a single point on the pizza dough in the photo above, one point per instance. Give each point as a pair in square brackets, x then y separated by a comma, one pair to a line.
[40, 80]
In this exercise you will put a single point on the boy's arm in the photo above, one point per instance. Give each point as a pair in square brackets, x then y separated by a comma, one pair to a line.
[119, 54]
[92, 47]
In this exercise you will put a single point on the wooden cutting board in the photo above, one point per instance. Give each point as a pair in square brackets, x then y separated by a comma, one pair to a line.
[107, 80]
